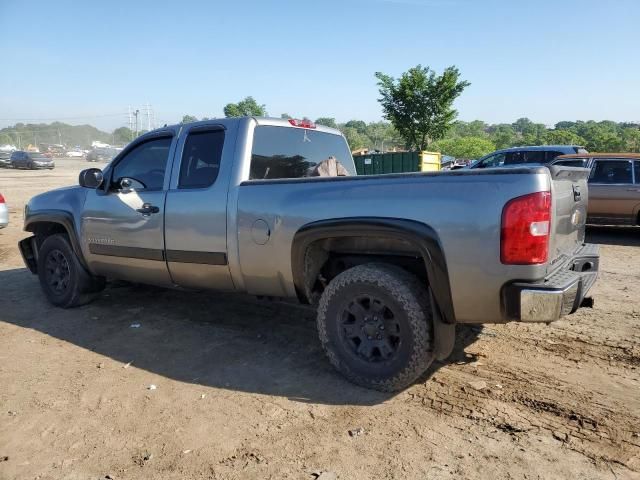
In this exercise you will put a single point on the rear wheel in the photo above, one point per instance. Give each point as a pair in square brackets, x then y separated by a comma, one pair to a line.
[63, 279]
[375, 324]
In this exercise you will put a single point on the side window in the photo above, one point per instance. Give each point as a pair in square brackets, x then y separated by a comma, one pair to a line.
[637, 169]
[514, 158]
[550, 156]
[201, 159]
[579, 162]
[534, 156]
[495, 160]
[611, 172]
[288, 152]
[146, 163]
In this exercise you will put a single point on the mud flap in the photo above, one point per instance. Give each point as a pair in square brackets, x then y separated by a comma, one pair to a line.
[29, 253]
[444, 333]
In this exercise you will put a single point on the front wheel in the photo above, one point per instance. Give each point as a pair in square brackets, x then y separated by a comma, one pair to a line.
[375, 325]
[63, 279]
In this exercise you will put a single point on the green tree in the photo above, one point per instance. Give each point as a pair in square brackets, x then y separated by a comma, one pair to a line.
[476, 128]
[562, 137]
[630, 137]
[464, 147]
[354, 138]
[245, 108]
[382, 135]
[359, 125]
[122, 135]
[189, 119]
[605, 141]
[5, 139]
[420, 103]
[503, 135]
[327, 122]
[285, 116]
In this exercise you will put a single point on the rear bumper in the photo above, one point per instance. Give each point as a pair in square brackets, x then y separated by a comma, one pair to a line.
[558, 295]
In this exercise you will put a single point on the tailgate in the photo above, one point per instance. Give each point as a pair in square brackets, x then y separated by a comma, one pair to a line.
[569, 192]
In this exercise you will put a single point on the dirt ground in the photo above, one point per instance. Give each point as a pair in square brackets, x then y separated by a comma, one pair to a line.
[244, 390]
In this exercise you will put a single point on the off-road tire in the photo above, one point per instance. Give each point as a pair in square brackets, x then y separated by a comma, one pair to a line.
[408, 300]
[79, 288]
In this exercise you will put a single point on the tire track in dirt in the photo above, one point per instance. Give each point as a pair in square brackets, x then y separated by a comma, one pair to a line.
[517, 403]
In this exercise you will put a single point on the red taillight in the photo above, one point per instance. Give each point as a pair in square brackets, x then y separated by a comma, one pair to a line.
[302, 123]
[1, 198]
[526, 221]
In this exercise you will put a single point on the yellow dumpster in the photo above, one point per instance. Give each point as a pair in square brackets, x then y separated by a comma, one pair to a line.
[430, 161]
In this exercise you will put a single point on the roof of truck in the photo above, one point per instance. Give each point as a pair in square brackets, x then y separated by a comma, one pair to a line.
[539, 147]
[600, 155]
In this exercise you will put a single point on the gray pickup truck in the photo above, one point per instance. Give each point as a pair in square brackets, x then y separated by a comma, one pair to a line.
[392, 262]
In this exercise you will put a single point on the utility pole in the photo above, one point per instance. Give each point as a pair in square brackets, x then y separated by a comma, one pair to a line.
[130, 122]
[135, 113]
[148, 117]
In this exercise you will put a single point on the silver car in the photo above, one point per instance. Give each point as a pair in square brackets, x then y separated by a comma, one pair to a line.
[4, 213]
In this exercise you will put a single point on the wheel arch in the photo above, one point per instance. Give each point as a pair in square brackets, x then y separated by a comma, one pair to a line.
[49, 222]
[307, 257]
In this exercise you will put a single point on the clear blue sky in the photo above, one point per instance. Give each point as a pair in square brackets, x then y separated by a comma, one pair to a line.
[88, 60]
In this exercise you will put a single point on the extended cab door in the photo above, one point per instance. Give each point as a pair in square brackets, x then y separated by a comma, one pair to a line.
[612, 193]
[123, 222]
[196, 208]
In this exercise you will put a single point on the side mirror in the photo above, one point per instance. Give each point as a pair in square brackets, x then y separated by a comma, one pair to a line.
[91, 178]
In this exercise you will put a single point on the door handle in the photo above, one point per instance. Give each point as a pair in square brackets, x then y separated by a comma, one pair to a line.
[147, 209]
[633, 189]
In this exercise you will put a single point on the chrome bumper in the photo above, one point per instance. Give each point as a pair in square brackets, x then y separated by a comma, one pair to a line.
[556, 296]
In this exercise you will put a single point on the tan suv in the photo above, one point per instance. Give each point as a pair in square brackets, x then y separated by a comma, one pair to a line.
[614, 186]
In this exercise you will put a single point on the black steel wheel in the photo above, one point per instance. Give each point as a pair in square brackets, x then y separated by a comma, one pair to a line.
[375, 324]
[63, 279]
[370, 329]
[57, 272]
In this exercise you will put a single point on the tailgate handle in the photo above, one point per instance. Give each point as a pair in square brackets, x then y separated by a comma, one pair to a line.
[576, 193]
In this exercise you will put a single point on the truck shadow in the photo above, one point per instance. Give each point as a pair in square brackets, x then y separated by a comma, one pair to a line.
[219, 340]
[610, 235]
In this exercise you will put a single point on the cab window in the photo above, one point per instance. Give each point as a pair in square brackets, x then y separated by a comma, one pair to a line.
[495, 160]
[201, 158]
[284, 152]
[145, 164]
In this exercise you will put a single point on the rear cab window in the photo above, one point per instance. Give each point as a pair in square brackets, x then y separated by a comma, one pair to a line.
[290, 152]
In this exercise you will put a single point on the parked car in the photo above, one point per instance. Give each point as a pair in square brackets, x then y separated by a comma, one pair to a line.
[101, 154]
[541, 155]
[31, 160]
[74, 154]
[5, 159]
[614, 186]
[4, 213]
[234, 205]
